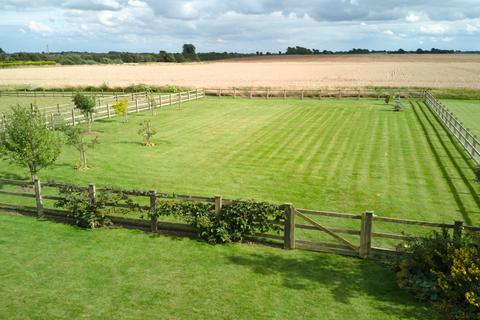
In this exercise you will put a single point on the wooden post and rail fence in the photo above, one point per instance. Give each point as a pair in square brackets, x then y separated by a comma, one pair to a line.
[137, 102]
[469, 142]
[359, 242]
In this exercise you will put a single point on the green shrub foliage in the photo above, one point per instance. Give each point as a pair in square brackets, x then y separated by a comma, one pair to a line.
[235, 222]
[444, 271]
[92, 214]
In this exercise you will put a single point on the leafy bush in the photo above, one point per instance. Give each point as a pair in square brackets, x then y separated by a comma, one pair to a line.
[91, 214]
[388, 98]
[444, 271]
[235, 222]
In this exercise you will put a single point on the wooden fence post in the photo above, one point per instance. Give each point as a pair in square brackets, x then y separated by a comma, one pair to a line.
[170, 99]
[289, 227]
[251, 94]
[234, 93]
[366, 234]
[73, 117]
[218, 204]
[108, 111]
[457, 230]
[136, 105]
[92, 193]
[153, 208]
[302, 94]
[179, 98]
[38, 197]
[285, 94]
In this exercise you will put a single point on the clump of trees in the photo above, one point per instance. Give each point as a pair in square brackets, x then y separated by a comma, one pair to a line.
[26, 140]
[147, 132]
[86, 104]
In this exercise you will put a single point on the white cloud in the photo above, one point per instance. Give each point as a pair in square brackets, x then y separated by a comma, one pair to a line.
[434, 28]
[39, 27]
[412, 17]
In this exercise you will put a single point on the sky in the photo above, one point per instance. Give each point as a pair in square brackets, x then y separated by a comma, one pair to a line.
[237, 25]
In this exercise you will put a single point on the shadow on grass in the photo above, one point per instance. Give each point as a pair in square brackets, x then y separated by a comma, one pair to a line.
[451, 157]
[345, 278]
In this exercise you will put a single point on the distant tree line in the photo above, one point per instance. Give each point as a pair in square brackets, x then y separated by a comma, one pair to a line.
[304, 51]
[188, 54]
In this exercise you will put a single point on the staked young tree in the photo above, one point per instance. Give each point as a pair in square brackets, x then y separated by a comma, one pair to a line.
[76, 139]
[25, 140]
[86, 105]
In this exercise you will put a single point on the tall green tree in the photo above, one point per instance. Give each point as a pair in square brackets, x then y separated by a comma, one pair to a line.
[188, 48]
[25, 140]
[86, 105]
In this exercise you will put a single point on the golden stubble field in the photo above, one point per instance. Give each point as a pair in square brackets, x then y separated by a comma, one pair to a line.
[286, 72]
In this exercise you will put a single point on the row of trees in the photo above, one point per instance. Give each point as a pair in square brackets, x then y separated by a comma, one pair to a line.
[188, 54]
[26, 140]
[302, 50]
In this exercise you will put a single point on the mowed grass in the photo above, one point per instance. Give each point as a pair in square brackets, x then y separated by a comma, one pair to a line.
[56, 271]
[337, 155]
[467, 111]
[7, 102]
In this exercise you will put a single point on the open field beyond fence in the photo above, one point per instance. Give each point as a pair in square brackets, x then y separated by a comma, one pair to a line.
[293, 72]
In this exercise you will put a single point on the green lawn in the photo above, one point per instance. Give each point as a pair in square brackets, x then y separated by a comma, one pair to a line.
[55, 271]
[7, 102]
[339, 155]
[467, 111]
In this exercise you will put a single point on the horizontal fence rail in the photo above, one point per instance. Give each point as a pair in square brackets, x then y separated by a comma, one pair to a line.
[295, 220]
[469, 142]
[137, 102]
[313, 93]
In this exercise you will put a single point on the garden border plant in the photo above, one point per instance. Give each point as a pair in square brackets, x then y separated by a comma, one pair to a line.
[443, 270]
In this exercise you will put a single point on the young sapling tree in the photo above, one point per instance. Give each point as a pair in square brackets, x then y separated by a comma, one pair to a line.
[147, 132]
[79, 141]
[86, 105]
[398, 104]
[25, 140]
[121, 108]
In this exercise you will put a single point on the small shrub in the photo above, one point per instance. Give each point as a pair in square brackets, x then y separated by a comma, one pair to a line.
[444, 271]
[388, 98]
[86, 105]
[91, 214]
[234, 223]
[147, 132]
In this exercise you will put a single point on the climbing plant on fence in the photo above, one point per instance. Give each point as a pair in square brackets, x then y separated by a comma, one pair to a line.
[234, 222]
[92, 212]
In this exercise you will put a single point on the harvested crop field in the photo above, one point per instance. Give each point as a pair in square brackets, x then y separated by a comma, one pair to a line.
[294, 72]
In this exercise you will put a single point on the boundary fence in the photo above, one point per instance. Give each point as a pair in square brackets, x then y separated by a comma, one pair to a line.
[314, 93]
[467, 140]
[137, 102]
[295, 219]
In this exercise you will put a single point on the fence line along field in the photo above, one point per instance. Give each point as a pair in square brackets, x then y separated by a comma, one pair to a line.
[440, 71]
[344, 155]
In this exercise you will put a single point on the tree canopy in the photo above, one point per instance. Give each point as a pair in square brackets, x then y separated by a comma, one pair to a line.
[26, 141]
